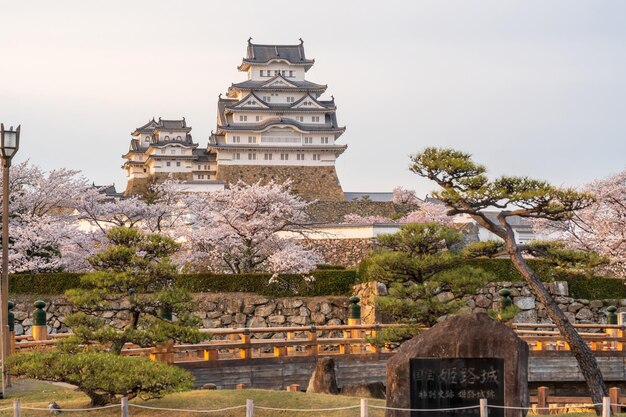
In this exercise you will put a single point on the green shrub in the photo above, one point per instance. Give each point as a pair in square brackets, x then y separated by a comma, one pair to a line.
[52, 283]
[104, 377]
[325, 267]
[325, 282]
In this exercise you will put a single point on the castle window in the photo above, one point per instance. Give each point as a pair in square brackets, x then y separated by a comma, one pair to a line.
[167, 138]
[291, 73]
[177, 164]
[308, 140]
[252, 156]
[300, 118]
[168, 163]
[145, 170]
[178, 137]
[276, 72]
[236, 139]
[251, 139]
[262, 73]
[315, 119]
[324, 139]
[284, 156]
[268, 156]
[259, 118]
[290, 99]
[283, 72]
[300, 157]
[237, 155]
[201, 176]
[199, 167]
[206, 167]
[147, 138]
[266, 99]
[316, 157]
[243, 118]
[162, 151]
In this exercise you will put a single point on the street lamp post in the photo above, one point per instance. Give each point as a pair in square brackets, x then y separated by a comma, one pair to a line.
[9, 143]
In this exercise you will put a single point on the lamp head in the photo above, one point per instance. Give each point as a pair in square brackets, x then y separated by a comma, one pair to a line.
[9, 141]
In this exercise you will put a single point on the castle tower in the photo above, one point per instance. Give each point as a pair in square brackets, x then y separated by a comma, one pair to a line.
[275, 126]
[163, 149]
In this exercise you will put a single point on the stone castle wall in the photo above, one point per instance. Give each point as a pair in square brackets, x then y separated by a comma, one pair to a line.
[213, 310]
[487, 298]
[141, 186]
[309, 182]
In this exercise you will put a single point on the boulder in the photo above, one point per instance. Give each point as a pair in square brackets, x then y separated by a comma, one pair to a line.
[323, 380]
[460, 338]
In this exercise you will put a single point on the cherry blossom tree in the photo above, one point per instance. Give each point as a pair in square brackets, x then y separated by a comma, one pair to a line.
[239, 229]
[601, 227]
[41, 219]
[404, 196]
[427, 212]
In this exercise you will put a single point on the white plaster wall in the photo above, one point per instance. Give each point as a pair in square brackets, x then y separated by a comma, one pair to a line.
[255, 71]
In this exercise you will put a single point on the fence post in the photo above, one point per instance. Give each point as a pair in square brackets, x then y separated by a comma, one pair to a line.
[17, 411]
[484, 412]
[124, 406]
[542, 401]
[364, 407]
[249, 408]
[40, 329]
[606, 406]
[354, 319]
[614, 394]
[245, 352]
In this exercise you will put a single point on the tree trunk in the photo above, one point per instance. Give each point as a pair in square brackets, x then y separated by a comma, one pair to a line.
[101, 399]
[584, 356]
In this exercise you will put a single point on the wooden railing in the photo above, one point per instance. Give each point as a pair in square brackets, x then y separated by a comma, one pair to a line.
[546, 337]
[246, 343]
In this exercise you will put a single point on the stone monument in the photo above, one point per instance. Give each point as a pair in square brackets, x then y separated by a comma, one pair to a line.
[455, 364]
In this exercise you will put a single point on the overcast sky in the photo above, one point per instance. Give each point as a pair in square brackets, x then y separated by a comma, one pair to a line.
[533, 88]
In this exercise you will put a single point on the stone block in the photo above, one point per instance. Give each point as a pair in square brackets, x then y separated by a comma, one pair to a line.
[525, 303]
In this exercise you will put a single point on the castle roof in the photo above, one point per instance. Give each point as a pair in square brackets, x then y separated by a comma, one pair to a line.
[264, 54]
[277, 83]
[263, 106]
[161, 124]
[330, 126]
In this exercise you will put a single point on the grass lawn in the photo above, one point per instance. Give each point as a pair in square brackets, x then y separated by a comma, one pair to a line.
[39, 394]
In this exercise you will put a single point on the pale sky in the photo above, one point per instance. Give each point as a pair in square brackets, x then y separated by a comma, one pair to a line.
[533, 88]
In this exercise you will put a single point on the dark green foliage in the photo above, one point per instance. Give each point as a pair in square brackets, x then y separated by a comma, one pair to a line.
[327, 282]
[424, 274]
[104, 377]
[391, 335]
[326, 267]
[135, 276]
[51, 283]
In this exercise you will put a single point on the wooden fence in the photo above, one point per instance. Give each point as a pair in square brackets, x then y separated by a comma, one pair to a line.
[247, 343]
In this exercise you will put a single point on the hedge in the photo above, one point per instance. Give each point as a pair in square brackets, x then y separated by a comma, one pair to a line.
[325, 282]
[581, 286]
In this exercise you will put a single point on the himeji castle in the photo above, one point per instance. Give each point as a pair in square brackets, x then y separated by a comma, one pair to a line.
[273, 126]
